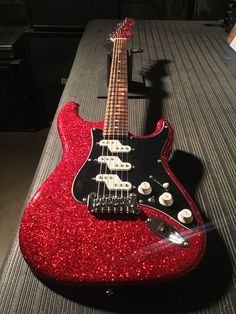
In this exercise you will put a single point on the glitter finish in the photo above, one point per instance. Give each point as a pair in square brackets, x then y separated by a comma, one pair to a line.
[62, 241]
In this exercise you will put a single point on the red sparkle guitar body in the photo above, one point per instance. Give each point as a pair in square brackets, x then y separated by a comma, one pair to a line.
[62, 241]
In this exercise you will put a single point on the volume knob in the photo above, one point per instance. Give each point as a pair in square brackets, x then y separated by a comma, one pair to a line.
[166, 199]
[185, 216]
[145, 188]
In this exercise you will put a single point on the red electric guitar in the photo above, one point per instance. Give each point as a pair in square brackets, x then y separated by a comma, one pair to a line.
[112, 211]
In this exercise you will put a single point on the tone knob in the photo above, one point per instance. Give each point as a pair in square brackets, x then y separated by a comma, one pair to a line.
[166, 199]
[185, 216]
[145, 188]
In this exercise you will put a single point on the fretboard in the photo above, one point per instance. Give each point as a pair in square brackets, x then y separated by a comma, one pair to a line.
[116, 116]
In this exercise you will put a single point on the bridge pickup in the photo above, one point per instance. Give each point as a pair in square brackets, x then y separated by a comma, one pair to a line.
[113, 182]
[114, 163]
[115, 146]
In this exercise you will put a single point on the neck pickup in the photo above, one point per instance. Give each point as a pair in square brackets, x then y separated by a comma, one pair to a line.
[116, 116]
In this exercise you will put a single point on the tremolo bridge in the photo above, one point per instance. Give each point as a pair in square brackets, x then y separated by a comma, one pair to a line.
[99, 204]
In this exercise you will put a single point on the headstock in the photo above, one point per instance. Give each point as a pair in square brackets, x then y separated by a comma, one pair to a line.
[123, 29]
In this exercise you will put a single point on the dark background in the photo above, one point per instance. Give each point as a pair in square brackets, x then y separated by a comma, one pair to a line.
[78, 13]
[42, 38]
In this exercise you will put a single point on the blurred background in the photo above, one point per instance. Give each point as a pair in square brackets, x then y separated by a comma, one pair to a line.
[38, 41]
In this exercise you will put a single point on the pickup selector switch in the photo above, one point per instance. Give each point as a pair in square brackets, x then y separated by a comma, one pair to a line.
[166, 185]
[145, 188]
[166, 199]
[185, 216]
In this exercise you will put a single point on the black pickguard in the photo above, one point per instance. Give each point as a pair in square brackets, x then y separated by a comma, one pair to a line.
[145, 157]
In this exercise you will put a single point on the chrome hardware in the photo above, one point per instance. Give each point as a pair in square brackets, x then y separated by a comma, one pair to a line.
[151, 199]
[166, 231]
[98, 204]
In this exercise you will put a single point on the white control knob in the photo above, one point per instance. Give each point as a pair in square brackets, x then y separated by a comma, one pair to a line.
[185, 216]
[166, 199]
[145, 188]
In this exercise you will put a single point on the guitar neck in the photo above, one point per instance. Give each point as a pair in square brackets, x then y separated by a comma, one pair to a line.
[116, 116]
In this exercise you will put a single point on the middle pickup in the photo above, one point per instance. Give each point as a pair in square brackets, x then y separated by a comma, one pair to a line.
[114, 163]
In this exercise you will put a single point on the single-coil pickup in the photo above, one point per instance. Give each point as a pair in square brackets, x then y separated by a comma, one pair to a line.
[115, 146]
[114, 163]
[113, 182]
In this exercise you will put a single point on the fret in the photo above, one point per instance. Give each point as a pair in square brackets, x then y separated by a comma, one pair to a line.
[113, 104]
[120, 118]
[120, 74]
[119, 97]
[116, 116]
[124, 123]
[116, 129]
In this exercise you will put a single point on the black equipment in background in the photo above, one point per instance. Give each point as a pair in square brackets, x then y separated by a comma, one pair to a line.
[69, 13]
[51, 55]
[17, 112]
[13, 12]
[157, 9]
[34, 66]
[18, 109]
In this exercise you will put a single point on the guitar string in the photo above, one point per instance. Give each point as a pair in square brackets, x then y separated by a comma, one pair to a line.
[121, 99]
[100, 172]
[121, 105]
[114, 116]
[118, 103]
[112, 120]
[126, 109]
[116, 128]
[110, 111]
[106, 124]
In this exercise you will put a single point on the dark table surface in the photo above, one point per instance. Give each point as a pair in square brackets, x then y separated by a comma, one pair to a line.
[189, 74]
